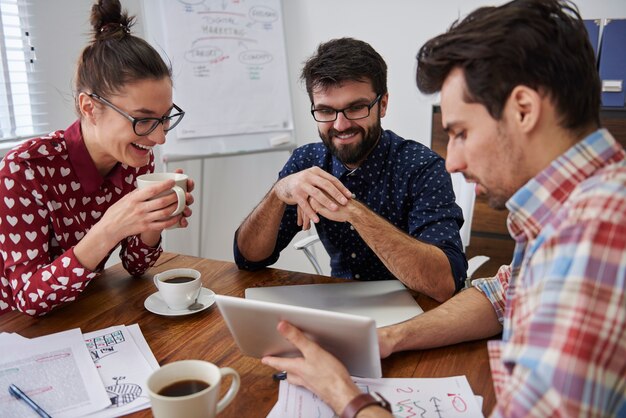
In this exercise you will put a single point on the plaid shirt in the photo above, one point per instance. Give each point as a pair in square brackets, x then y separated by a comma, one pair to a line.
[562, 301]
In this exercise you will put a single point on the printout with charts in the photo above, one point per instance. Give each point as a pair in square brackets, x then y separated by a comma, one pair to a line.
[56, 371]
[448, 397]
[124, 361]
[113, 363]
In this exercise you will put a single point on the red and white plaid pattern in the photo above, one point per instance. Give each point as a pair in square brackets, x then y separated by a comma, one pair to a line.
[563, 351]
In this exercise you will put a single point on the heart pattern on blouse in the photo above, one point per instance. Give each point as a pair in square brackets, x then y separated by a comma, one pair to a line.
[44, 211]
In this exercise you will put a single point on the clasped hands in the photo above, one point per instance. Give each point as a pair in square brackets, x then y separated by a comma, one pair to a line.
[315, 191]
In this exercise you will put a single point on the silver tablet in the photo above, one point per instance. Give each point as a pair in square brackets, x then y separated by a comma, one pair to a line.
[388, 302]
[350, 338]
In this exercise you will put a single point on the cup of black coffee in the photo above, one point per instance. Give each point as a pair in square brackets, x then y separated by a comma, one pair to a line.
[190, 388]
[184, 388]
[179, 288]
[179, 279]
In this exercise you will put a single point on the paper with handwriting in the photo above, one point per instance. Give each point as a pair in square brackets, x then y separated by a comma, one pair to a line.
[448, 397]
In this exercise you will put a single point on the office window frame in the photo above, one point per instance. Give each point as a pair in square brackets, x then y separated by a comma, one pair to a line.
[21, 108]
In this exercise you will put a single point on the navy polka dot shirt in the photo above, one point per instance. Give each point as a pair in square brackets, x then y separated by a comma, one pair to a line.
[404, 182]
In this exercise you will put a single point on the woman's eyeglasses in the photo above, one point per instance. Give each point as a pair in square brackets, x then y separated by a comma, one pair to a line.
[144, 126]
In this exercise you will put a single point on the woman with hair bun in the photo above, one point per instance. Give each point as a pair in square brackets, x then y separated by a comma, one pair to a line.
[69, 199]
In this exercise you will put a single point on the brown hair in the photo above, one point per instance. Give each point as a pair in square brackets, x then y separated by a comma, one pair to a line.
[344, 59]
[542, 44]
[115, 57]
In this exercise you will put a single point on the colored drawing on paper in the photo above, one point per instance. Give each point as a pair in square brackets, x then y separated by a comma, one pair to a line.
[103, 346]
[122, 393]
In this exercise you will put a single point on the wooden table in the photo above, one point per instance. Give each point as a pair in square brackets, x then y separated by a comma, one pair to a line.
[117, 299]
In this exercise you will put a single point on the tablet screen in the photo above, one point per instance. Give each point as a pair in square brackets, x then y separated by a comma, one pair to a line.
[350, 338]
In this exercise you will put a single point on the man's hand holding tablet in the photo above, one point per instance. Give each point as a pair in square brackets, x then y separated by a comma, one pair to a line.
[350, 338]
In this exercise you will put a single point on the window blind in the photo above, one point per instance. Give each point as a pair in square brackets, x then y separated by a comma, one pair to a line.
[22, 104]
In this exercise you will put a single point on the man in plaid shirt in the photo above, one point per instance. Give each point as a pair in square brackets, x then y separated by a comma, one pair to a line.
[520, 99]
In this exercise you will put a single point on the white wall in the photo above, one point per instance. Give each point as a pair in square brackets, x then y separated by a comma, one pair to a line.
[396, 29]
[231, 187]
[61, 30]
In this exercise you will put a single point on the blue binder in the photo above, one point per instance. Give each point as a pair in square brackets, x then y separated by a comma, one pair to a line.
[593, 30]
[613, 63]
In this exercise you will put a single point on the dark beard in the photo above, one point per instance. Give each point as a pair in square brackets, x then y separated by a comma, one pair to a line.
[356, 153]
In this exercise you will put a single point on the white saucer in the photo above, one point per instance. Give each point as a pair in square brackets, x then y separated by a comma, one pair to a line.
[155, 303]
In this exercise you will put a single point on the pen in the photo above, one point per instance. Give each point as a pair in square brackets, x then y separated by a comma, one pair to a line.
[279, 376]
[17, 392]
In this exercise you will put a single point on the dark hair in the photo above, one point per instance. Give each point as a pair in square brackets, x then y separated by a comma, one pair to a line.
[542, 44]
[115, 57]
[344, 59]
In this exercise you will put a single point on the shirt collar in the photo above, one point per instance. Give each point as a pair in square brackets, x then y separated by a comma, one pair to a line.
[371, 167]
[532, 206]
[83, 165]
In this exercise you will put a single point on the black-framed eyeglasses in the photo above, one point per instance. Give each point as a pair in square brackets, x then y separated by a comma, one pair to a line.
[354, 112]
[145, 126]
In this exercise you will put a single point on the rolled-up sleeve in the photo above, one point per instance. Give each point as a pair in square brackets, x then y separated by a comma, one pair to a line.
[494, 288]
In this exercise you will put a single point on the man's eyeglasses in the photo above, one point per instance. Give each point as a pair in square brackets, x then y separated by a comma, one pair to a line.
[355, 112]
[145, 126]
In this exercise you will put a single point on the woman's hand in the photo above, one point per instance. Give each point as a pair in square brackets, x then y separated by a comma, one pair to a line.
[137, 213]
[140, 211]
[188, 200]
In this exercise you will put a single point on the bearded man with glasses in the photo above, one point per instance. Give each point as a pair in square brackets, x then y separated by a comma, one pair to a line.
[383, 206]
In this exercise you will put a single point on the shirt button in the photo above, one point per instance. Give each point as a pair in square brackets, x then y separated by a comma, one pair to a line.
[351, 228]
[353, 255]
[353, 195]
[357, 276]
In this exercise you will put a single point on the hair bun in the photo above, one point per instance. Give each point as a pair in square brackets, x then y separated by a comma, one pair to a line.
[112, 27]
[109, 21]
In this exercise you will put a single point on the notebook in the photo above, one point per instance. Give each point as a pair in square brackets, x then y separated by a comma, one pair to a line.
[388, 302]
[350, 338]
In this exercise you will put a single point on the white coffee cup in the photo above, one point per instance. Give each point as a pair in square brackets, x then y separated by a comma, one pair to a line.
[176, 294]
[179, 188]
[202, 404]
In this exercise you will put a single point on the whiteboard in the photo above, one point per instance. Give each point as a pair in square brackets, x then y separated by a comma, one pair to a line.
[230, 73]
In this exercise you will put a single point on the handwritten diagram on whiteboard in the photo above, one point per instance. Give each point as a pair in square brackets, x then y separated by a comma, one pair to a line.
[230, 70]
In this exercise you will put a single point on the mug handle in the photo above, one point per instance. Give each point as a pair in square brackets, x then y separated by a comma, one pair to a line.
[232, 391]
[180, 194]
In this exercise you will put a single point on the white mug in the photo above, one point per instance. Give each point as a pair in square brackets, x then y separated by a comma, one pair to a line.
[179, 188]
[202, 404]
[178, 296]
